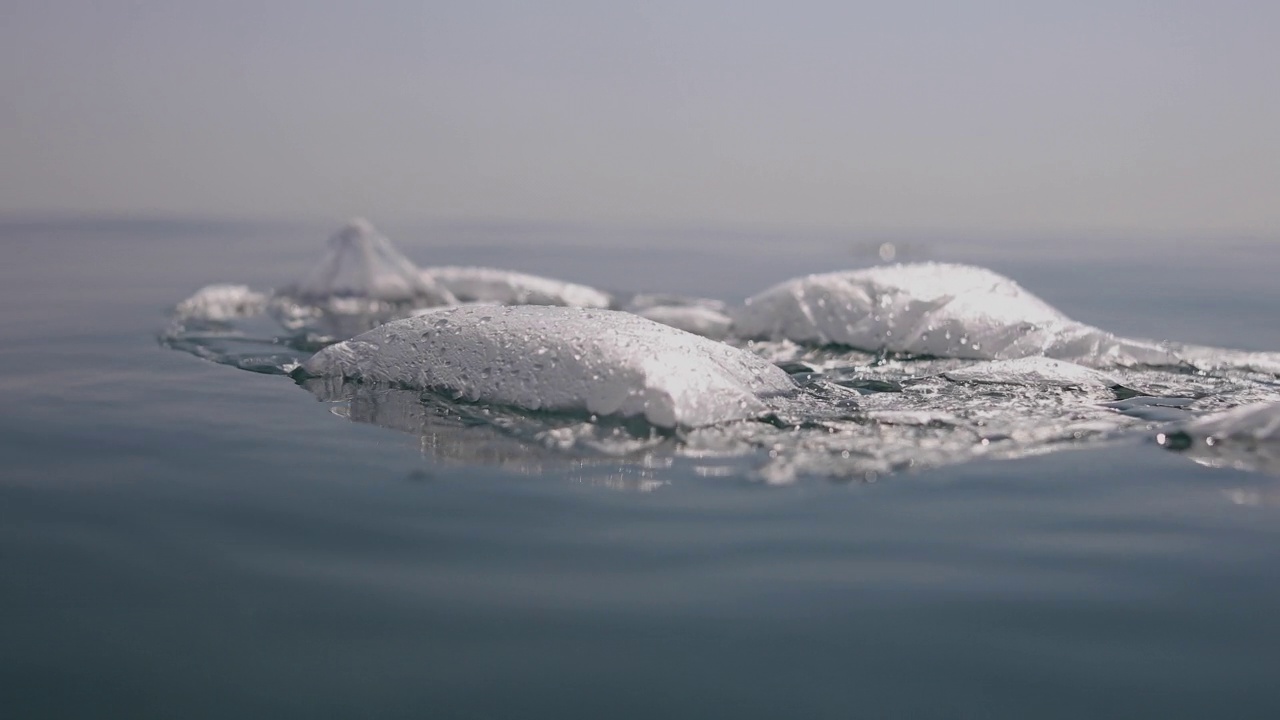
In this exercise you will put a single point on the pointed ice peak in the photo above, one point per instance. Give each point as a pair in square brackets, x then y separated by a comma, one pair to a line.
[357, 229]
[362, 262]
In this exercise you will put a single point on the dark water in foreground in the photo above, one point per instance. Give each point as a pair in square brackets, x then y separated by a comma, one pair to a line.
[182, 539]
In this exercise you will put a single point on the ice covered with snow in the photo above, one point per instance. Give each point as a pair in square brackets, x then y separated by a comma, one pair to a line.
[361, 262]
[932, 309]
[221, 303]
[504, 287]
[602, 362]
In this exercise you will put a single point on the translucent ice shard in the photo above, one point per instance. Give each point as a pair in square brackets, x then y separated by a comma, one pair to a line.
[1258, 423]
[601, 362]
[1246, 438]
[933, 309]
[362, 263]
[1032, 371]
[504, 287]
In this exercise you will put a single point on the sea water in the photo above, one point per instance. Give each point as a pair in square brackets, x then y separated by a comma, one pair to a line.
[185, 539]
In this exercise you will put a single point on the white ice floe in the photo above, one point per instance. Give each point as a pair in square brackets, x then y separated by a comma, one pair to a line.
[504, 287]
[697, 319]
[932, 309]
[361, 262]
[700, 316]
[602, 362]
[220, 303]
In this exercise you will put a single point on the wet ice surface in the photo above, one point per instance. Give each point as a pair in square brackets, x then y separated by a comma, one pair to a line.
[892, 368]
[599, 362]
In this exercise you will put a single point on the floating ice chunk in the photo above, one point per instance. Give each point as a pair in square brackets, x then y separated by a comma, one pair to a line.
[1035, 371]
[565, 359]
[644, 301]
[503, 287]
[362, 263]
[700, 316]
[220, 303]
[698, 320]
[932, 309]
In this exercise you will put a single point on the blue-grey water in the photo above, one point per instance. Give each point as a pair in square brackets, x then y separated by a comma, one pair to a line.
[184, 539]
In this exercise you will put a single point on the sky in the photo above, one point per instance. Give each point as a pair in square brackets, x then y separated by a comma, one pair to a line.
[1150, 118]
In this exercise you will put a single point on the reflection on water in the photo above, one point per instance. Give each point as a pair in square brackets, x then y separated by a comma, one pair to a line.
[620, 456]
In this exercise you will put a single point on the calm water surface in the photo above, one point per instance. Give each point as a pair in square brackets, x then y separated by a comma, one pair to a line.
[183, 539]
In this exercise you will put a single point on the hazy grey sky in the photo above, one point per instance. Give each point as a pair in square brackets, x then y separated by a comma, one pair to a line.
[1150, 117]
